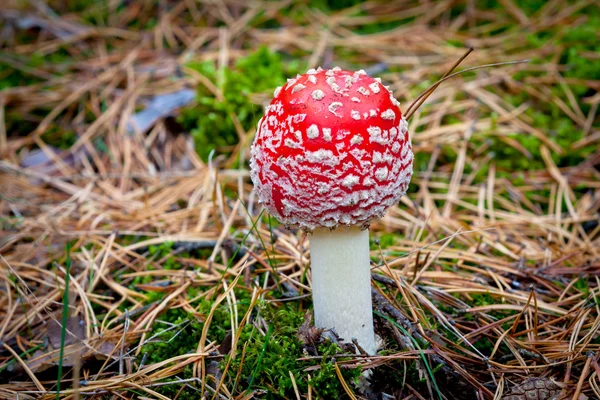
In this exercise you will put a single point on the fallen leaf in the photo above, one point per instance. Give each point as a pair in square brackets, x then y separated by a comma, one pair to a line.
[225, 346]
[74, 333]
[75, 348]
[105, 350]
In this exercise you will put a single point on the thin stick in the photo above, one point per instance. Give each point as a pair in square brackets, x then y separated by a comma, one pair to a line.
[435, 85]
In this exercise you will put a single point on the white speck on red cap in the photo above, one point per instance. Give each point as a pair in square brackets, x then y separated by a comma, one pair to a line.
[333, 84]
[377, 157]
[350, 181]
[311, 169]
[318, 94]
[298, 88]
[356, 139]
[349, 81]
[325, 157]
[323, 187]
[388, 114]
[374, 87]
[333, 107]
[363, 91]
[291, 144]
[381, 173]
[298, 118]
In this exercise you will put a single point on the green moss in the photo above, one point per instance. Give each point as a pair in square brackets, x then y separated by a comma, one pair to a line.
[583, 286]
[270, 358]
[386, 240]
[58, 138]
[579, 39]
[14, 77]
[210, 120]
[178, 333]
[332, 5]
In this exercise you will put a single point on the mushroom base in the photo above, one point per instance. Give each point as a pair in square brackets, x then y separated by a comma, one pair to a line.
[341, 284]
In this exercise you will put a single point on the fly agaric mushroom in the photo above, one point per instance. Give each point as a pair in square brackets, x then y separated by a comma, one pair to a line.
[331, 154]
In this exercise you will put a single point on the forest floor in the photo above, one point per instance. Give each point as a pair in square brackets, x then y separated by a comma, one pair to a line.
[135, 261]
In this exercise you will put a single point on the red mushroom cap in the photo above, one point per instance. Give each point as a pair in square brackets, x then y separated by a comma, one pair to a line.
[332, 149]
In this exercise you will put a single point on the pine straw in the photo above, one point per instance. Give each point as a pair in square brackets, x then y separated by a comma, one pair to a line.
[534, 255]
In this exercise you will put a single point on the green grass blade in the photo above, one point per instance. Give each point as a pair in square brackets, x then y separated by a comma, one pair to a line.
[416, 344]
[275, 273]
[260, 357]
[22, 355]
[65, 316]
[230, 263]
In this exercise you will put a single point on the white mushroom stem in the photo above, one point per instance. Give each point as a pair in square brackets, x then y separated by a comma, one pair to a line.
[341, 284]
